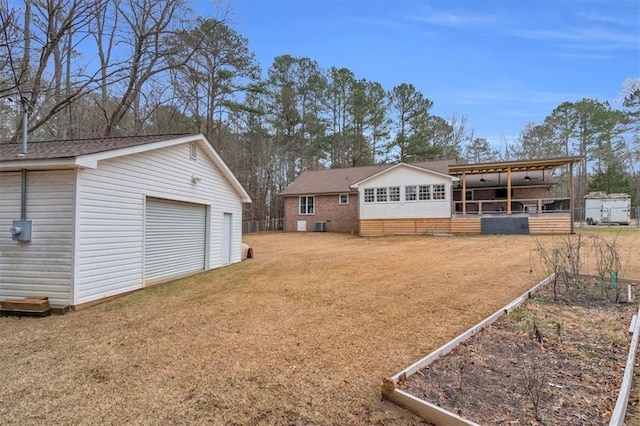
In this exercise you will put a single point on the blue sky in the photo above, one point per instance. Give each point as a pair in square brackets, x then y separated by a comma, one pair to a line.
[501, 63]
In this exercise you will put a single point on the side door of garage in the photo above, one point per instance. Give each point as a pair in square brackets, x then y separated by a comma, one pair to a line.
[227, 238]
[175, 237]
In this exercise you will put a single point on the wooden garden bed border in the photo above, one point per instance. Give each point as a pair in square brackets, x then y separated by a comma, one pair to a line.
[620, 410]
[439, 416]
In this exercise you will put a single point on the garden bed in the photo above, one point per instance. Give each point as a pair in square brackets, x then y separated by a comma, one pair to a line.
[557, 359]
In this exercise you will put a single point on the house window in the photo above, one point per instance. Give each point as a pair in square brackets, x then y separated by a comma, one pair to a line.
[424, 192]
[394, 193]
[438, 192]
[307, 205]
[343, 199]
[369, 195]
[193, 151]
[382, 195]
[468, 195]
[410, 193]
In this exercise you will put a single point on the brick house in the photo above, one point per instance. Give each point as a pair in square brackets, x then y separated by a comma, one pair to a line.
[331, 197]
[427, 198]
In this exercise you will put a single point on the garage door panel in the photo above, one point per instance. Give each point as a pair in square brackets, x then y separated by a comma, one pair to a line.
[175, 239]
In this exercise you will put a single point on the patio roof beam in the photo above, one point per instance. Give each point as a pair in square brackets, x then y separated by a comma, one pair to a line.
[514, 166]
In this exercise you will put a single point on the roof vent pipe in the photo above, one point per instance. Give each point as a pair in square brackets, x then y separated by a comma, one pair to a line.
[26, 107]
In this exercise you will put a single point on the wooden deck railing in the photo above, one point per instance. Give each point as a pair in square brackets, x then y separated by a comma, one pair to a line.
[529, 206]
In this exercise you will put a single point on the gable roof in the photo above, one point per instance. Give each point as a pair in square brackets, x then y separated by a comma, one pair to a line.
[85, 153]
[336, 181]
[409, 166]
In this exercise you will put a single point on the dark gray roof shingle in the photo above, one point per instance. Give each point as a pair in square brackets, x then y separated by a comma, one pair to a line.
[50, 150]
[335, 181]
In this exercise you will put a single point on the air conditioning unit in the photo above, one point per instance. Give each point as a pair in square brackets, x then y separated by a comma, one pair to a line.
[321, 227]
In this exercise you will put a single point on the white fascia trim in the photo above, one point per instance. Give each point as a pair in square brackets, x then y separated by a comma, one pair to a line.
[59, 163]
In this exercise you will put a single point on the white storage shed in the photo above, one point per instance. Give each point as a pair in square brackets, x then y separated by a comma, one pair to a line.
[103, 217]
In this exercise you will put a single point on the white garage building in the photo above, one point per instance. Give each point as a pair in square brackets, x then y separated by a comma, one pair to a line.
[109, 216]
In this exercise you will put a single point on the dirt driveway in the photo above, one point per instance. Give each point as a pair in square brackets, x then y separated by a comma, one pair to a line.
[302, 334]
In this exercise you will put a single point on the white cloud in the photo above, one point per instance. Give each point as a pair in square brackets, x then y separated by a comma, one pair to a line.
[609, 19]
[456, 20]
[584, 35]
[523, 97]
[584, 55]
[380, 22]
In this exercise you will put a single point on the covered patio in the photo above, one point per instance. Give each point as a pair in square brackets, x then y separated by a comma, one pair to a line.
[513, 197]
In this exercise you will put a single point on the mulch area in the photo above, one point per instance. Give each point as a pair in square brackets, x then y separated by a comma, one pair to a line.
[552, 361]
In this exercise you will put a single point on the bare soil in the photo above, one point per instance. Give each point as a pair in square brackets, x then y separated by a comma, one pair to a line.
[555, 360]
[303, 334]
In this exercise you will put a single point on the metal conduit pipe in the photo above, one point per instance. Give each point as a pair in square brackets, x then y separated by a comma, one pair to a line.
[21, 229]
[23, 199]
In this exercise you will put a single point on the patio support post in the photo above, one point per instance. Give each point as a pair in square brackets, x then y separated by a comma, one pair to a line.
[573, 230]
[464, 193]
[508, 190]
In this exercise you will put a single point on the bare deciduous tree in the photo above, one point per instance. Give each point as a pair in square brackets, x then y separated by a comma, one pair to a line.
[50, 34]
[144, 32]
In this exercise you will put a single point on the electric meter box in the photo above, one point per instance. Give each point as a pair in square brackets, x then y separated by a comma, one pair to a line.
[21, 230]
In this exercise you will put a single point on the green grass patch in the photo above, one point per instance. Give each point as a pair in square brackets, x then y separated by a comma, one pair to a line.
[538, 301]
[519, 315]
[609, 230]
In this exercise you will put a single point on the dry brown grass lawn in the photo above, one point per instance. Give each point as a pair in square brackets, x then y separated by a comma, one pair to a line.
[302, 334]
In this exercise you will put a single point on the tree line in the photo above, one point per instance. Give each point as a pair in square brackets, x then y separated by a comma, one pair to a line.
[106, 68]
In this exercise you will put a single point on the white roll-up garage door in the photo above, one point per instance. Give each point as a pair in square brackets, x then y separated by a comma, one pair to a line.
[174, 239]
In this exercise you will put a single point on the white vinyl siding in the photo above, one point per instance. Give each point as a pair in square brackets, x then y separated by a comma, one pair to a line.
[43, 266]
[174, 239]
[416, 202]
[110, 219]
